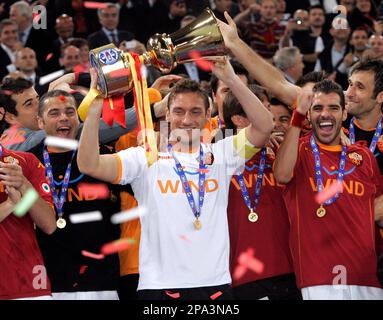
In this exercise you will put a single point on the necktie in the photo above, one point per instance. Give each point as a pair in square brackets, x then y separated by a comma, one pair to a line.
[114, 38]
[21, 37]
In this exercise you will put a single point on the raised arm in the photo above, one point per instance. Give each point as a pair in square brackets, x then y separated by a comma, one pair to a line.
[287, 154]
[262, 71]
[89, 160]
[261, 120]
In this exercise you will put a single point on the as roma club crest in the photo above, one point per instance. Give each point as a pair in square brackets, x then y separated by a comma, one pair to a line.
[355, 158]
[11, 160]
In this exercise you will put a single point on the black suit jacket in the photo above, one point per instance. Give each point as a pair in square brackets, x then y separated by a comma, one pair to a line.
[4, 61]
[41, 42]
[99, 38]
[203, 75]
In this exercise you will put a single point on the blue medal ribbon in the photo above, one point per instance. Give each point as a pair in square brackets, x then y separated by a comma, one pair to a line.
[374, 140]
[186, 185]
[1, 151]
[318, 168]
[58, 201]
[258, 186]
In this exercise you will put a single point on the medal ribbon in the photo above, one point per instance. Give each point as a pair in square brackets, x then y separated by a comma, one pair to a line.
[258, 186]
[186, 185]
[374, 140]
[59, 202]
[318, 168]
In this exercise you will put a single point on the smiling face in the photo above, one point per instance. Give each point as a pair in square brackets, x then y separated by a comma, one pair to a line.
[281, 118]
[59, 117]
[187, 115]
[326, 116]
[26, 106]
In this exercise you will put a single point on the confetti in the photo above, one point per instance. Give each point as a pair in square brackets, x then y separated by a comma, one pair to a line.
[83, 269]
[183, 237]
[117, 246]
[26, 202]
[239, 272]
[154, 95]
[329, 192]
[50, 77]
[144, 72]
[95, 5]
[128, 215]
[96, 256]
[174, 295]
[52, 141]
[49, 56]
[248, 260]
[201, 63]
[97, 190]
[216, 295]
[85, 217]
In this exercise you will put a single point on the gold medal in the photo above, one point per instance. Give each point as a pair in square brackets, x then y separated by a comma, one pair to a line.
[321, 212]
[197, 224]
[61, 223]
[253, 216]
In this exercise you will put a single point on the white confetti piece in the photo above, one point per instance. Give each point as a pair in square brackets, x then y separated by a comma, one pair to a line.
[85, 217]
[61, 143]
[50, 77]
[128, 215]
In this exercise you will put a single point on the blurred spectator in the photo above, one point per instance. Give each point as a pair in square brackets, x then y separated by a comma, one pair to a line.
[331, 58]
[363, 15]
[83, 46]
[249, 11]
[70, 57]
[108, 19]
[9, 43]
[305, 32]
[26, 62]
[220, 7]
[358, 42]
[376, 47]
[263, 36]
[289, 61]
[282, 15]
[37, 39]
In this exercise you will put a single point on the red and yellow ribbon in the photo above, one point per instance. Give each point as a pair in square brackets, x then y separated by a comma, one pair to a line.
[142, 105]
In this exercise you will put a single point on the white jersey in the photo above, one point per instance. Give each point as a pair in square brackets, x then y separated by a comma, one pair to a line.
[173, 254]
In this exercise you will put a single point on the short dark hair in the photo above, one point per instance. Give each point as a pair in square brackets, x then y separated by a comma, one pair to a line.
[313, 76]
[11, 86]
[6, 22]
[328, 86]
[316, 6]
[232, 107]
[277, 102]
[375, 66]
[238, 69]
[188, 86]
[53, 94]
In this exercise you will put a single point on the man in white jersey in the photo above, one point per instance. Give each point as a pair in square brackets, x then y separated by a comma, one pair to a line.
[184, 246]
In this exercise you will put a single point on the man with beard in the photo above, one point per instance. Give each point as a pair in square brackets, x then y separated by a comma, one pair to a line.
[338, 235]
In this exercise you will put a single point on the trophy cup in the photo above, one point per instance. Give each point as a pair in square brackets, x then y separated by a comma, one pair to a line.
[165, 52]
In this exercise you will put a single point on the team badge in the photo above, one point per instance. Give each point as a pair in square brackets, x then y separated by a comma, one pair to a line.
[356, 158]
[11, 160]
[45, 187]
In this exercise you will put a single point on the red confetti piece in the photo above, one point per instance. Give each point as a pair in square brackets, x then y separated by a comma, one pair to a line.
[201, 63]
[216, 295]
[183, 237]
[329, 192]
[96, 256]
[83, 269]
[8, 92]
[49, 56]
[94, 5]
[61, 97]
[116, 246]
[239, 272]
[97, 190]
[75, 285]
[204, 170]
[174, 295]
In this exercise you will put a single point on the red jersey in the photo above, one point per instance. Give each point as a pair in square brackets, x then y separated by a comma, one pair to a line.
[269, 235]
[345, 236]
[20, 256]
